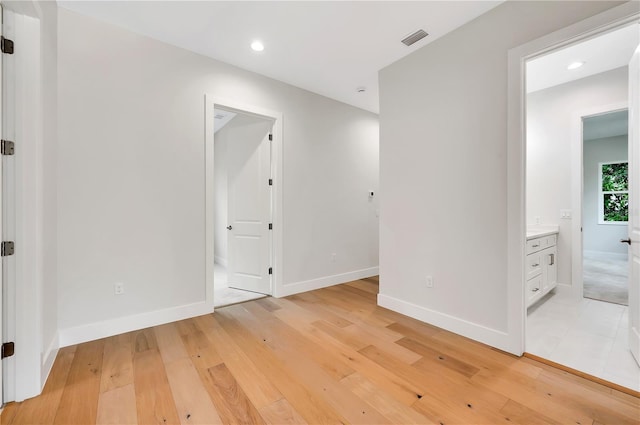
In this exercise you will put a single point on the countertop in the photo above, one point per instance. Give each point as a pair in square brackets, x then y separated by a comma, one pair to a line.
[539, 231]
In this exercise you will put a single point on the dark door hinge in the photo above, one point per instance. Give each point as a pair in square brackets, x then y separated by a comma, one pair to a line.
[270, 182]
[7, 147]
[270, 226]
[6, 45]
[7, 248]
[271, 137]
[270, 270]
[8, 349]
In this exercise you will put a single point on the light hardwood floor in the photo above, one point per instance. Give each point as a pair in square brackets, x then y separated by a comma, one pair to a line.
[327, 356]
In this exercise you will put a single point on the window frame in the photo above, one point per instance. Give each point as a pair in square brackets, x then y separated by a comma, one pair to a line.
[601, 194]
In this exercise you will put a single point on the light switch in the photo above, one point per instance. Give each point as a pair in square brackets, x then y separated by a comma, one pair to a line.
[565, 214]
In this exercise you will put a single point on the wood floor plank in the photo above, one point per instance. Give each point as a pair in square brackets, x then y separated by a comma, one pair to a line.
[202, 352]
[192, 400]
[257, 386]
[314, 409]
[79, 402]
[117, 364]
[327, 356]
[9, 412]
[154, 400]
[519, 414]
[144, 340]
[229, 398]
[42, 410]
[396, 412]
[280, 412]
[170, 343]
[117, 406]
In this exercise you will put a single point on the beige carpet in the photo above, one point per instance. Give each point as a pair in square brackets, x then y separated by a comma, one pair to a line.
[605, 277]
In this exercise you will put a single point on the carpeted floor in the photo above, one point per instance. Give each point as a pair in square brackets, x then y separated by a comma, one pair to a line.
[605, 277]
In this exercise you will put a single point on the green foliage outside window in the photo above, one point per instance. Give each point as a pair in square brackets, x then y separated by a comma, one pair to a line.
[615, 190]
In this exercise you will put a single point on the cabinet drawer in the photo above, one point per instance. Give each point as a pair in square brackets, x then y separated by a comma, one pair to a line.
[533, 288]
[551, 240]
[533, 264]
[537, 244]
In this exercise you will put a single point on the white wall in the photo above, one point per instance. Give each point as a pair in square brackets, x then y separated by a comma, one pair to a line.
[551, 115]
[131, 177]
[49, 22]
[596, 236]
[443, 150]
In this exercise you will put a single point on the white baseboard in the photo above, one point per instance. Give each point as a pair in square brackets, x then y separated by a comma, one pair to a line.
[220, 260]
[492, 337]
[48, 357]
[323, 282]
[97, 330]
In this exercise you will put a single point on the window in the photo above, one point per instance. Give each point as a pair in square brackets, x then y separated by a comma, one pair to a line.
[614, 193]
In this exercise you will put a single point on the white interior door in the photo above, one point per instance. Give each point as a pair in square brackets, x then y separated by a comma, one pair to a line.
[634, 205]
[1, 206]
[249, 209]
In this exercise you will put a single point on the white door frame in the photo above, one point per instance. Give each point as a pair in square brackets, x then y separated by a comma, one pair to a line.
[516, 149]
[211, 102]
[577, 190]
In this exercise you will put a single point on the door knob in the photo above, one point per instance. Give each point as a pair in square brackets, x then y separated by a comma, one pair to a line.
[628, 240]
[229, 227]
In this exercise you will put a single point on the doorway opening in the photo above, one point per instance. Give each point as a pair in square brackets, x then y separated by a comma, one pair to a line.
[605, 207]
[242, 203]
[576, 191]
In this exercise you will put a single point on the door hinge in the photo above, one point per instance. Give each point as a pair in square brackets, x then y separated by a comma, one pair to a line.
[270, 182]
[7, 147]
[271, 137]
[8, 349]
[6, 45]
[7, 248]
[270, 226]
[270, 270]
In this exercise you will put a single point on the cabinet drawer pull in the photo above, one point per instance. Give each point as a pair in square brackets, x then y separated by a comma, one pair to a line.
[535, 265]
[552, 259]
[535, 289]
[535, 246]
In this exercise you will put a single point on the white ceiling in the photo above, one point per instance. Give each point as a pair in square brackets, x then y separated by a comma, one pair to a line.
[606, 125]
[327, 47]
[221, 118]
[600, 54]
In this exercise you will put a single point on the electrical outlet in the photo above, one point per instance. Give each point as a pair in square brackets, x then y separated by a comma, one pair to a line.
[118, 288]
[429, 282]
[333, 257]
[537, 219]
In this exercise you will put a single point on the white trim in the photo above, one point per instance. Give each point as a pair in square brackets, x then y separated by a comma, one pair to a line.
[577, 189]
[48, 358]
[516, 149]
[220, 260]
[211, 102]
[323, 282]
[454, 324]
[120, 325]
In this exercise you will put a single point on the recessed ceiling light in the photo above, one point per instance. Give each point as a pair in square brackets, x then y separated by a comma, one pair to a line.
[575, 65]
[257, 46]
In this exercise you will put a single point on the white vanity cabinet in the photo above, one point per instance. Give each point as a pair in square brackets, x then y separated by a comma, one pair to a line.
[541, 266]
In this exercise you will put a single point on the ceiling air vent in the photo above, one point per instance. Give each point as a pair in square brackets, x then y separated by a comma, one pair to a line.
[416, 36]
